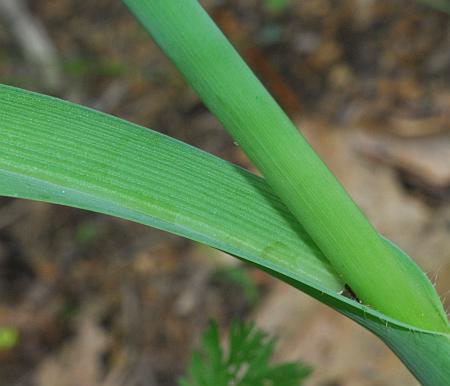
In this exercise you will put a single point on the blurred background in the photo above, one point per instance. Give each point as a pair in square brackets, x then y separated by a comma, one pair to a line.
[87, 299]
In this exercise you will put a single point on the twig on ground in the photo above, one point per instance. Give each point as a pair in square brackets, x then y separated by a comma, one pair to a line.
[34, 41]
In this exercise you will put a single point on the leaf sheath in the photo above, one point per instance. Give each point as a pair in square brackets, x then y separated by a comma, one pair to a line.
[389, 282]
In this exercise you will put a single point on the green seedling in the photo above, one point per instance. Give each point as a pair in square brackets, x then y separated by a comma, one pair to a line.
[245, 361]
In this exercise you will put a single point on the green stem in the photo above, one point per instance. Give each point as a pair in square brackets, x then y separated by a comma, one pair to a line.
[387, 281]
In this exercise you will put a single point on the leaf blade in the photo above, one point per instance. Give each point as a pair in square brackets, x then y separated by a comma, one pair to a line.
[294, 259]
[146, 177]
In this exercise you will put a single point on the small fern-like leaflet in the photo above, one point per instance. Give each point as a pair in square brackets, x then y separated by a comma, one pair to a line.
[246, 362]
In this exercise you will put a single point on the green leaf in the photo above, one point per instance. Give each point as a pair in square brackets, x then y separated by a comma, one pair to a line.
[58, 152]
[246, 364]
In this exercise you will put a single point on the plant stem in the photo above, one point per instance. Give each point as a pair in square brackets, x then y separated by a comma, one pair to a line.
[389, 282]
